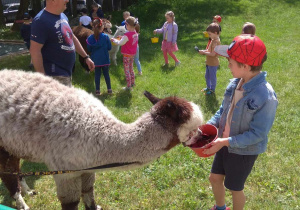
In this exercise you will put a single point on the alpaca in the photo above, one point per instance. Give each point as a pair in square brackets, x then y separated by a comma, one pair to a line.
[115, 48]
[66, 128]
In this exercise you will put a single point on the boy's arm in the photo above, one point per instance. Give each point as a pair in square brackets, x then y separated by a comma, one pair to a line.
[207, 52]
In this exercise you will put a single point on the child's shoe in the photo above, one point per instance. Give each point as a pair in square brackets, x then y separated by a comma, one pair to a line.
[140, 73]
[215, 208]
[127, 88]
[204, 90]
[97, 92]
[209, 92]
[166, 65]
[109, 92]
[177, 63]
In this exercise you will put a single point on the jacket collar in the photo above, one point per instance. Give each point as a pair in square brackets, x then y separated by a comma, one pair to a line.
[255, 81]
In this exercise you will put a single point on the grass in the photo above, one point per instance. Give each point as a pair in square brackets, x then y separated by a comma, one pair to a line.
[179, 179]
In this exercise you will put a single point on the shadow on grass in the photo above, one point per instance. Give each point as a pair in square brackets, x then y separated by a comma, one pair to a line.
[211, 103]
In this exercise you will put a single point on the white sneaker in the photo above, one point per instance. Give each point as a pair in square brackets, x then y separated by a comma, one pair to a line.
[177, 63]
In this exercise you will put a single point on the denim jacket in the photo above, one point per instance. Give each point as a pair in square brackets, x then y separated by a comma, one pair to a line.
[252, 117]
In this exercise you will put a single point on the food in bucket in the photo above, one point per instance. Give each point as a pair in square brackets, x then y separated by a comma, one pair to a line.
[202, 139]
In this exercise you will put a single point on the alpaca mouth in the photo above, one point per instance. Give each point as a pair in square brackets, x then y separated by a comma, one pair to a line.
[192, 137]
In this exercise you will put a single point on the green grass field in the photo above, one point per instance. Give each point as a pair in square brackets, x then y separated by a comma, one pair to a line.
[179, 179]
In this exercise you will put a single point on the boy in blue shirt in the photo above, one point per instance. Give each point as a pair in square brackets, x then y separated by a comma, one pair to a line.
[244, 119]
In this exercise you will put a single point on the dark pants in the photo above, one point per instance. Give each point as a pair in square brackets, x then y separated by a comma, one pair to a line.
[105, 71]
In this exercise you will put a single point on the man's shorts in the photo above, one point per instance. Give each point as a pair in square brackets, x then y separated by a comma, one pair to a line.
[236, 168]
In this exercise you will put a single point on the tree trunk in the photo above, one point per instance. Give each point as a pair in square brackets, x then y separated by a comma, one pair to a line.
[19, 17]
[36, 7]
[2, 24]
[74, 8]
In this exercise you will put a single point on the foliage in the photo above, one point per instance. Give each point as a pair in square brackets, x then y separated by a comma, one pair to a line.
[179, 179]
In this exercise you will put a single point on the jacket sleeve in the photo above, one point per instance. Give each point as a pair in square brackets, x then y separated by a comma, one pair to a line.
[108, 43]
[160, 30]
[174, 33]
[88, 45]
[215, 120]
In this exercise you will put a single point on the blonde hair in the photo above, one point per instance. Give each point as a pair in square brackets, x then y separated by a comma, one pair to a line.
[249, 28]
[126, 13]
[171, 14]
[131, 21]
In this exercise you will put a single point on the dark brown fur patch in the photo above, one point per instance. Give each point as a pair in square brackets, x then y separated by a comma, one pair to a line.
[9, 163]
[70, 206]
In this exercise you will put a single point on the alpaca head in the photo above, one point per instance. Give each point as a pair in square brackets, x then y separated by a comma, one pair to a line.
[120, 31]
[177, 115]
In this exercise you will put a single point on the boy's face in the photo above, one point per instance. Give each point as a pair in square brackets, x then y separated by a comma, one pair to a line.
[212, 35]
[215, 21]
[125, 16]
[236, 70]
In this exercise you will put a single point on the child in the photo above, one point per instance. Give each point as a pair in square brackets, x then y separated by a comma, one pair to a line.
[98, 44]
[126, 14]
[248, 28]
[129, 43]
[244, 119]
[96, 11]
[85, 20]
[26, 32]
[169, 45]
[216, 19]
[137, 55]
[212, 60]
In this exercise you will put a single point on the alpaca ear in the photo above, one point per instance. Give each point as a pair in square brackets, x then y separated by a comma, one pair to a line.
[151, 97]
[117, 26]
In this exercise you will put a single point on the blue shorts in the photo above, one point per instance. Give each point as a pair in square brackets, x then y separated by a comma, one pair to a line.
[236, 168]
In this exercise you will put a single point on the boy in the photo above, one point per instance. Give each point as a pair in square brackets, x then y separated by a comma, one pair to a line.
[217, 19]
[248, 28]
[244, 119]
[26, 32]
[126, 14]
[212, 60]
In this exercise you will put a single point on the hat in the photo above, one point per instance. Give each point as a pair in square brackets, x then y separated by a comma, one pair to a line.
[26, 16]
[218, 18]
[245, 48]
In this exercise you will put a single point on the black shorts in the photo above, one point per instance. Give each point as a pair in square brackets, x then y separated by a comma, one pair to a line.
[236, 168]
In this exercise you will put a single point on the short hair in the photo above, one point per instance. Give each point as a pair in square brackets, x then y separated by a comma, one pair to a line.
[131, 21]
[255, 68]
[213, 27]
[249, 28]
[171, 14]
[126, 13]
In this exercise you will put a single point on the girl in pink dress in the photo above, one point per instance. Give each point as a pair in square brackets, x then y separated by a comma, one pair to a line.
[169, 45]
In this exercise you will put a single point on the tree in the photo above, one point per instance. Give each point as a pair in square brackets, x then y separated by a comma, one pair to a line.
[24, 4]
[2, 24]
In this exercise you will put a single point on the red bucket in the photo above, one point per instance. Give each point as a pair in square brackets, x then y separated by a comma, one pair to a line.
[210, 133]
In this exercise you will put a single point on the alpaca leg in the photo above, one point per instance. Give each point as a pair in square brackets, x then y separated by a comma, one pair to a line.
[68, 191]
[25, 190]
[87, 191]
[9, 163]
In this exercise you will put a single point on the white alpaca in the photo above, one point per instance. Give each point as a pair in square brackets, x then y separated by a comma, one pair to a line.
[66, 128]
[115, 48]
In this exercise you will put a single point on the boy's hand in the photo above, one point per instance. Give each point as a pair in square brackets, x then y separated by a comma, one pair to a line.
[202, 52]
[197, 48]
[216, 145]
